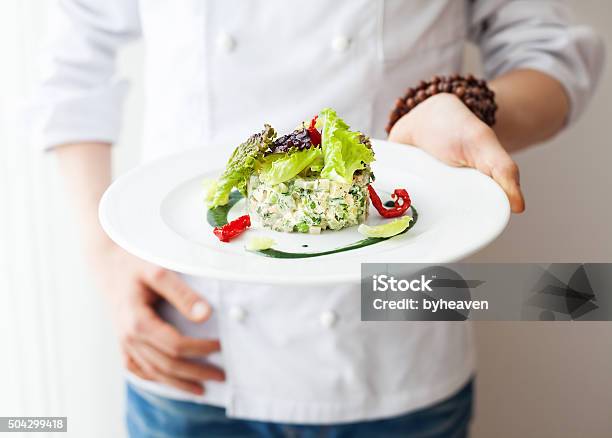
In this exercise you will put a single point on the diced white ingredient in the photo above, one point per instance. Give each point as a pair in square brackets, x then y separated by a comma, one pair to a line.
[317, 203]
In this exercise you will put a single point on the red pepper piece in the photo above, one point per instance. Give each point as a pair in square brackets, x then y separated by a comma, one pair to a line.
[315, 136]
[398, 209]
[232, 229]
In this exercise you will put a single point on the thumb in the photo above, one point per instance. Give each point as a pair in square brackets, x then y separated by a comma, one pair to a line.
[506, 174]
[492, 159]
[178, 293]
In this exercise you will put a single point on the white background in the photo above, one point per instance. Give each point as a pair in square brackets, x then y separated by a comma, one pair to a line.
[58, 353]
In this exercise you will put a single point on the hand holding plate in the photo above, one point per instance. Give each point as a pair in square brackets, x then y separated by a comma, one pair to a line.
[445, 128]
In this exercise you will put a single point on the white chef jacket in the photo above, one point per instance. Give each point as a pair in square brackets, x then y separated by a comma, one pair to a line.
[215, 72]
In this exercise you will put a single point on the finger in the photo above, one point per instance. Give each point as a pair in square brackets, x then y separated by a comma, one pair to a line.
[507, 176]
[134, 368]
[186, 300]
[180, 368]
[165, 337]
[489, 156]
[182, 384]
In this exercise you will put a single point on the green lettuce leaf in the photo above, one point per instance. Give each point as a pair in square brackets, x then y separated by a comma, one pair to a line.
[317, 164]
[344, 152]
[209, 187]
[241, 164]
[278, 168]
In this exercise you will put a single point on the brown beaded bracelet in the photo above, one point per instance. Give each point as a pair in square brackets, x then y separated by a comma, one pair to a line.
[474, 93]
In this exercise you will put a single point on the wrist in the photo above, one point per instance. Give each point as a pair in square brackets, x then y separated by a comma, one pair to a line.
[473, 93]
[432, 118]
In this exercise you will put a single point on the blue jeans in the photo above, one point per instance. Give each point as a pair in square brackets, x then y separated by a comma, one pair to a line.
[152, 416]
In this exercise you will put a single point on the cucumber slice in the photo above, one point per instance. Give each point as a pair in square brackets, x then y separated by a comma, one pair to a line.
[258, 243]
[388, 229]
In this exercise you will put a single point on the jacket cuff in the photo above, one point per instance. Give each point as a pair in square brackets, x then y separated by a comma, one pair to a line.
[577, 67]
[70, 116]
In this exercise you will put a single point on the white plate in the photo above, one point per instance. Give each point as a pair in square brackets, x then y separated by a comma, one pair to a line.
[156, 212]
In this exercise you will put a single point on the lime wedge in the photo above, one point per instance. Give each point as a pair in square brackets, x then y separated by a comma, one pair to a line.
[388, 229]
[258, 243]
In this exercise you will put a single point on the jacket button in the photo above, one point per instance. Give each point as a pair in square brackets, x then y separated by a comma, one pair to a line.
[237, 313]
[340, 43]
[226, 42]
[328, 319]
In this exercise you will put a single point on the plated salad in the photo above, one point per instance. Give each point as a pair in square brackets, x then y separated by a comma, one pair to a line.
[316, 178]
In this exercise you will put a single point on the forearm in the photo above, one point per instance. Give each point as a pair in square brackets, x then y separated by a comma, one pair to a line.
[86, 170]
[532, 107]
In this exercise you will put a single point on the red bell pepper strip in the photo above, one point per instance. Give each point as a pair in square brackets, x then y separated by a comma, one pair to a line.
[398, 209]
[232, 229]
[315, 136]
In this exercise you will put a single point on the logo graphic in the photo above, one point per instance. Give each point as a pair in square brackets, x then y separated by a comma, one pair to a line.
[554, 296]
